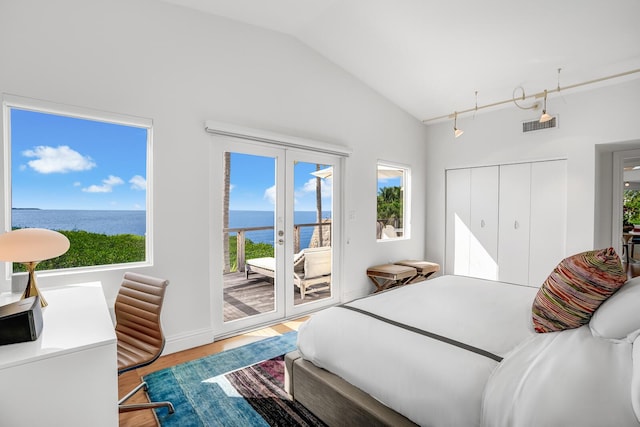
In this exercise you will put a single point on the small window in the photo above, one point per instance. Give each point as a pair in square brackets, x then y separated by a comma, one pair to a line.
[393, 202]
[82, 174]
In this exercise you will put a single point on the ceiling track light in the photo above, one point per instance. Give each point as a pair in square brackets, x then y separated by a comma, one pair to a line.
[522, 98]
[456, 132]
[535, 96]
[545, 117]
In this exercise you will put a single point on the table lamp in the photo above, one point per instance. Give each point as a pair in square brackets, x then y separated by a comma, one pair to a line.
[29, 246]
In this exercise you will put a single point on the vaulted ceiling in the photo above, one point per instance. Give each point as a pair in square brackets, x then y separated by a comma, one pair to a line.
[431, 57]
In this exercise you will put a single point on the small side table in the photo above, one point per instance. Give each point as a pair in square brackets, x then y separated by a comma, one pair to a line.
[390, 275]
[424, 269]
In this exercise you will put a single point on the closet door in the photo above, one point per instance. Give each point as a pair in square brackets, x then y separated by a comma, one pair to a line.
[483, 244]
[458, 208]
[513, 234]
[548, 218]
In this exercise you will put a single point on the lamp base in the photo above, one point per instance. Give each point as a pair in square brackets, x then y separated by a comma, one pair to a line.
[32, 287]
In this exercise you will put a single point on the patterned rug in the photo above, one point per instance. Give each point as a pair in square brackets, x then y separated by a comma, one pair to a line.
[239, 387]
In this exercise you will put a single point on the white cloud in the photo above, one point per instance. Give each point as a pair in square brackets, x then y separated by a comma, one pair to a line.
[310, 187]
[138, 183]
[58, 160]
[106, 187]
[270, 194]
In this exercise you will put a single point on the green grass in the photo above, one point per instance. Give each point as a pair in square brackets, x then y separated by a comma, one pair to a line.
[251, 250]
[91, 249]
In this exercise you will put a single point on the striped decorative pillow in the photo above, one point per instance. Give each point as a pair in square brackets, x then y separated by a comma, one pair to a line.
[575, 289]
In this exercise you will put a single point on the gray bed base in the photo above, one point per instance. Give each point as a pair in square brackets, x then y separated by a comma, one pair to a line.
[332, 399]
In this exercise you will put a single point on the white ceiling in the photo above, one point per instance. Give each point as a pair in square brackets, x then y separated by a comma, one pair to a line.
[430, 57]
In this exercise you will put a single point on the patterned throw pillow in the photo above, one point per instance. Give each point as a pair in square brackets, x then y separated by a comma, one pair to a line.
[575, 289]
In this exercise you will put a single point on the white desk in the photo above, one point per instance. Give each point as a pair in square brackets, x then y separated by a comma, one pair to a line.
[68, 376]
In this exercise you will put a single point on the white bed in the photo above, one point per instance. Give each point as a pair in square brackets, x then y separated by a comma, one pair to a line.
[492, 369]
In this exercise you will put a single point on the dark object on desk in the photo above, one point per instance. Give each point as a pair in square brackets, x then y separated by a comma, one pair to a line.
[20, 321]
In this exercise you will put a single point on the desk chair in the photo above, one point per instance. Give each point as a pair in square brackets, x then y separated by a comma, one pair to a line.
[138, 329]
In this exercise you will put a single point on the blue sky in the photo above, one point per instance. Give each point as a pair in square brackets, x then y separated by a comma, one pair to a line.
[253, 184]
[61, 162]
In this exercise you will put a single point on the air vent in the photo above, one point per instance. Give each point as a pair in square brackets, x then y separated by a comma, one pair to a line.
[536, 125]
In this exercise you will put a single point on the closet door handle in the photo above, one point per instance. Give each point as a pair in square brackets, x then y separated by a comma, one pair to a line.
[482, 223]
[516, 225]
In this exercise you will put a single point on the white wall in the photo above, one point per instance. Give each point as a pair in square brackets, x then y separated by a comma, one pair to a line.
[606, 115]
[180, 68]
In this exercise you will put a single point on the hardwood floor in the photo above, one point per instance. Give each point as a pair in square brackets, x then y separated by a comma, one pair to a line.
[245, 297]
[129, 380]
[632, 269]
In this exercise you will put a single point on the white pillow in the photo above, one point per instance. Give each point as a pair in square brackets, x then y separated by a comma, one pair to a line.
[619, 315]
[388, 232]
[317, 262]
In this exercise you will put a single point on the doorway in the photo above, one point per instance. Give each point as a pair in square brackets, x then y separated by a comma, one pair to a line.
[280, 221]
[626, 206]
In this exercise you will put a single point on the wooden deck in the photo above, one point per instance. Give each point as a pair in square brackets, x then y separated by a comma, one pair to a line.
[246, 297]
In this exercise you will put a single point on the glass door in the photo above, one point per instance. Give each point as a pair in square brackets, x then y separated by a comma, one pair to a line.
[278, 230]
[313, 229]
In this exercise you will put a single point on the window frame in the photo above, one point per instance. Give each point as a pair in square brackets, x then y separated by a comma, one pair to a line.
[406, 199]
[10, 102]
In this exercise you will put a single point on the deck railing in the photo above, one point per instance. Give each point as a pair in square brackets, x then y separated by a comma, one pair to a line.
[241, 236]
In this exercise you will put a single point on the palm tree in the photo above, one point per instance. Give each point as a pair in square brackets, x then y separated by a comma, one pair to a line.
[225, 211]
[319, 206]
[390, 204]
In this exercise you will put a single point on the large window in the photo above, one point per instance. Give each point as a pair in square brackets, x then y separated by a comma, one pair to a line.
[83, 174]
[393, 201]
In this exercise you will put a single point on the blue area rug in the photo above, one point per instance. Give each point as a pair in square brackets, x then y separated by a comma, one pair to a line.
[238, 387]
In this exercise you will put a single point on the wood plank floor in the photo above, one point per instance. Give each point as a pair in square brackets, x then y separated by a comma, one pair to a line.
[632, 269]
[129, 380]
[254, 295]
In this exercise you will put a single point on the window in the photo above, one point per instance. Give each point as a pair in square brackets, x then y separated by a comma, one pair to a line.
[393, 203]
[83, 174]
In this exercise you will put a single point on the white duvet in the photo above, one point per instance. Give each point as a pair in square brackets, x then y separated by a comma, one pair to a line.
[438, 384]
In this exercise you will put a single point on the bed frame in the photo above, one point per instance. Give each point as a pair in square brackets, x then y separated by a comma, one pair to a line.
[334, 400]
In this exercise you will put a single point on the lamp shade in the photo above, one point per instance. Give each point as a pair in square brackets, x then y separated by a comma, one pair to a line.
[32, 245]
[545, 117]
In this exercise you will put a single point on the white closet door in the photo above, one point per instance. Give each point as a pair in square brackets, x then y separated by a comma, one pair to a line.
[548, 218]
[483, 245]
[458, 193]
[513, 233]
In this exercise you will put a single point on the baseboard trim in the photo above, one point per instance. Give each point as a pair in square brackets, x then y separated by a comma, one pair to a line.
[187, 341]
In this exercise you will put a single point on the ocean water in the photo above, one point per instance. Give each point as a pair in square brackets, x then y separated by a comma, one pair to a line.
[134, 222]
[240, 219]
[102, 222]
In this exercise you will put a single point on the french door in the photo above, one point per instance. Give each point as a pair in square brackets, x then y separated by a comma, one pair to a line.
[279, 225]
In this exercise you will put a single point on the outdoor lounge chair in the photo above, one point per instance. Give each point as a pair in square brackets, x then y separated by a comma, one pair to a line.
[314, 268]
[266, 265]
[311, 266]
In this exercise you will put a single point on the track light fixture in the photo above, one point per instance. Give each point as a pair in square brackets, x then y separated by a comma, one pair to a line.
[545, 117]
[456, 132]
[515, 99]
